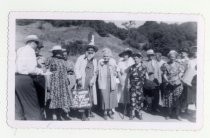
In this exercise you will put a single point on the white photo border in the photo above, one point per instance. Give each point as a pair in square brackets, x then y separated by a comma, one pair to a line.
[105, 124]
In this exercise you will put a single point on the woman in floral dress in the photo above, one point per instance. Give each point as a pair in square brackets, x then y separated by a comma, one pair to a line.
[137, 76]
[172, 74]
[58, 97]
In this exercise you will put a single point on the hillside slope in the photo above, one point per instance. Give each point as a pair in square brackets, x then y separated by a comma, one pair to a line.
[52, 35]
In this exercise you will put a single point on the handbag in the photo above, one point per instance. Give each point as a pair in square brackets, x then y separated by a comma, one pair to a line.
[149, 85]
[81, 99]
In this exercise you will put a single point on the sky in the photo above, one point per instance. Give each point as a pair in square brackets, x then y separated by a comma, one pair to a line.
[119, 23]
[138, 23]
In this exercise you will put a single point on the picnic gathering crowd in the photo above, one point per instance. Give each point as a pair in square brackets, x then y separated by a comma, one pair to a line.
[43, 88]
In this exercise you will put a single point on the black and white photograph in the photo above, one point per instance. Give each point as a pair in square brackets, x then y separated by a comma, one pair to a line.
[105, 69]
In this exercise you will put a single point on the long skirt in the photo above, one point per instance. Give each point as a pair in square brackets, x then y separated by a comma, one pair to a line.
[136, 98]
[108, 97]
[123, 91]
[191, 94]
[26, 100]
[172, 95]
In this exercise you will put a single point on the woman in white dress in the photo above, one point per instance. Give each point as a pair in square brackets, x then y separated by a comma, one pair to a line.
[122, 69]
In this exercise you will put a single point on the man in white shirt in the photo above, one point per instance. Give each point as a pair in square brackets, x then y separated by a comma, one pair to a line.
[152, 92]
[26, 101]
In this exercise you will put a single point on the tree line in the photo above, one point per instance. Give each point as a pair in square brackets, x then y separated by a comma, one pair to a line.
[159, 36]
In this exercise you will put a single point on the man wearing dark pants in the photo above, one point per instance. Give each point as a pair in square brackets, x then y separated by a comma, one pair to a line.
[26, 100]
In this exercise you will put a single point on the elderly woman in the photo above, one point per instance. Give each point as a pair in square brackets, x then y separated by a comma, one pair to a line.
[172, 73]
[58, 97]
[137, 76]
[107, 83]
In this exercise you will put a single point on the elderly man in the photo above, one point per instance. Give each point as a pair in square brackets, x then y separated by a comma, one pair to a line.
[85, 72]
[26, 101]
[152, 91]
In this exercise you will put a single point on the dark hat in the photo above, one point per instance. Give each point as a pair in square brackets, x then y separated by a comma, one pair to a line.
[92, 46]
[186, 50]
[40, 44]
[127, 51]
[137, 55]
[193, 49]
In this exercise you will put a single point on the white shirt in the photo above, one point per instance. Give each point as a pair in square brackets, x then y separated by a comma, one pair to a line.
[26, 62]
[158, 70]
[190, 72]
[123, 66]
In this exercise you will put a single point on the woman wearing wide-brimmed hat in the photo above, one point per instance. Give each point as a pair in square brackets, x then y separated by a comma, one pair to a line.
[172, 74]
[58, 98]
[123, 66]
[137, 76]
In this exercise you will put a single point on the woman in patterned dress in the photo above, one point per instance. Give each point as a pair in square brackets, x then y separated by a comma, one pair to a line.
[172, 73]
[58, 97]
[137, 75]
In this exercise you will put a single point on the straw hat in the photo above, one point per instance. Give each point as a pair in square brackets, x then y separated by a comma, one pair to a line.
[150, 52]
[57, 48]
[32, 38]
[172, 52]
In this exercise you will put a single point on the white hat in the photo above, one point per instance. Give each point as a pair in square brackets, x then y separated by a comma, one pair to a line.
[150, 52]
[64, 50]
[32, 38]
[172, 52]
[57, 47]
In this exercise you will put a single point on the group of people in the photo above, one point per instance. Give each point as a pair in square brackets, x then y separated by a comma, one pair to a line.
[132, 83]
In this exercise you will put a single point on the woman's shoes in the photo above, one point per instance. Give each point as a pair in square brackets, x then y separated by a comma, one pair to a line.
[167, 117]
[111, 116]
[111, 113]
[131, 117]
[83, 117]
[179, 118]
[105, 117]
[140, 116]
[90, 114]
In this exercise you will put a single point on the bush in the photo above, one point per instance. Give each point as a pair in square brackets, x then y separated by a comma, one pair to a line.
[23, 22]
[74, 48]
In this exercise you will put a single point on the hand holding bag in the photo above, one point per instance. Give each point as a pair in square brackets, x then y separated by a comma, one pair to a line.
[81, 99]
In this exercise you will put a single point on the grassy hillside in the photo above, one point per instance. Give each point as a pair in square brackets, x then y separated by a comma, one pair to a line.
[53, 35]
